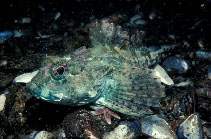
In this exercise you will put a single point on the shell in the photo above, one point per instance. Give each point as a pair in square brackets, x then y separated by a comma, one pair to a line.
[2, 101]
[157, 127]
[191, 128]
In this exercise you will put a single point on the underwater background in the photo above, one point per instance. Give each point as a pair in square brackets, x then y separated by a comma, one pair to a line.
[30, 31]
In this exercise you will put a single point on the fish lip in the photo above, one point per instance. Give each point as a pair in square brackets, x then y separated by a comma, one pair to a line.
[59, 96]
[52, 98]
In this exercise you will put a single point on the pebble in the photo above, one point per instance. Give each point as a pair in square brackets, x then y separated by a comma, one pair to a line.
[26, 20]
[185, 83]
[136, 17]
[196, 24]
[137, 20]
[209, 72]
[175, 65]
[125, 130]
[4, 35]
[43, 36]
[157, 127]
[207, 131]
[26, 77]
[200, 43]
[191, 128]
[3, 63]
[61, 134]
[17, 34]
[204, 55]
[83, 124]
[152, 15]
[140, 22]
[58, 14]
[41, 7]
[2, 101]
[41, 135]
[153, 48]
[161, 73]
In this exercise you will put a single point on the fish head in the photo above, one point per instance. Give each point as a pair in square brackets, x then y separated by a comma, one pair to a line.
[55, 83]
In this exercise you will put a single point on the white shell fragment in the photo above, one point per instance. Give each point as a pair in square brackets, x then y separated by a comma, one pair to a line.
[157, 127]
[41, 135]
[125, 130]
[191, 128]
[161, 73]
[2, 101]
[25, 78]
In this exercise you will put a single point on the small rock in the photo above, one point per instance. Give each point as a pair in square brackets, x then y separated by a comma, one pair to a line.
[41, 7]
[83, 124]
[191, 128]
[3, 63]
[136, 17]
[26, 20]
[140, 22]
[125, 130]
[175, 65]
[61, 134]
[152, 15]
[209, 72]
[43, 36]
[57, 16]
[204, 55]
[200, 43]
[153, 48]
[185, 83]
[2, 101]
[137, 20]
[207, 131]
[196, 24]
[157, 127]
[41, 135]
[4, 35]
[17, 34]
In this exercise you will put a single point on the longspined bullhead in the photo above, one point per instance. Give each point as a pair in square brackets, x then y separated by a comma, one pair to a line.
[111, 73]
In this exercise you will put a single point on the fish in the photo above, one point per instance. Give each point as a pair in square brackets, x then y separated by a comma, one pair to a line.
[112, 72]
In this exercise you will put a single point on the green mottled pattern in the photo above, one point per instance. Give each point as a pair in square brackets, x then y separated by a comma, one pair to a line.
[109, 74]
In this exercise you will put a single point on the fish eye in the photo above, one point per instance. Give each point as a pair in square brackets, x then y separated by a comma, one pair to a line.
[58, 72]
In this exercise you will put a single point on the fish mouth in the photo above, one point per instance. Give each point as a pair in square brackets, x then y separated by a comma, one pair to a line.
[50, 96]
[53, 98]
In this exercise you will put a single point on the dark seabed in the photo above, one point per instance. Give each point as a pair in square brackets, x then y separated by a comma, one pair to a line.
[32, 30]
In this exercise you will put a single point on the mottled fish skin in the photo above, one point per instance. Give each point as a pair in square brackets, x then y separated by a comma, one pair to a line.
[105, 74]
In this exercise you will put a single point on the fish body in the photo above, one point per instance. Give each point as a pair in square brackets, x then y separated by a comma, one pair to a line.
[105, 74]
